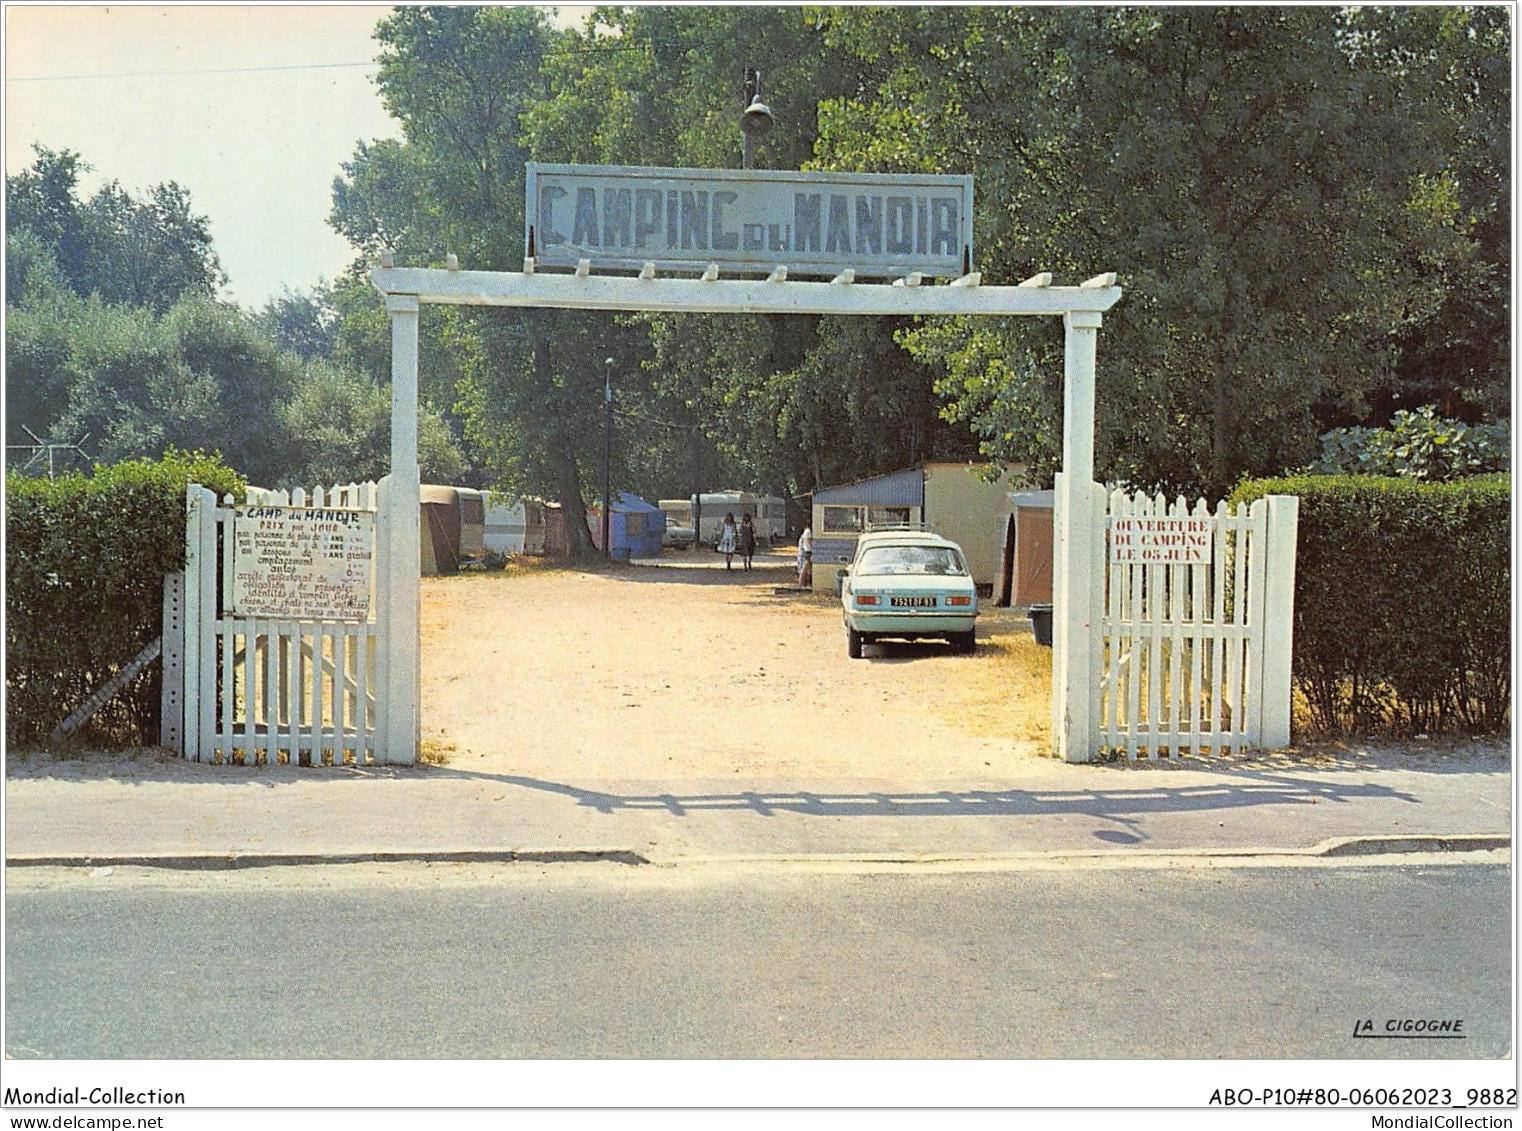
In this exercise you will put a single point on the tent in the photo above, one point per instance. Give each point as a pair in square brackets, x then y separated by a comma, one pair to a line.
[635, 527]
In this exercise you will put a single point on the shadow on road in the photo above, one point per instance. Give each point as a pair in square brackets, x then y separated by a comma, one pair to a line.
[1286, 780]
[1116, 804]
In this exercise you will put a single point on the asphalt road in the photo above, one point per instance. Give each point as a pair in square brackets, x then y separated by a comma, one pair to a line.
[615, 961]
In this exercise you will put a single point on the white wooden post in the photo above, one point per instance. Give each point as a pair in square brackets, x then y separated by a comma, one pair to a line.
[1060, 550]
[1278, 619]
[192, 654]
[201, 632]
[1098, 547]
[403, 687]
[383, 618]
[365, 653]
[200, 622]
[1074, 686]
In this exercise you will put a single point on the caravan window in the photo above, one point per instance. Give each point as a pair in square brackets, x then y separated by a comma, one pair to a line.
[842, 520]
[879, 517]
[854, 520]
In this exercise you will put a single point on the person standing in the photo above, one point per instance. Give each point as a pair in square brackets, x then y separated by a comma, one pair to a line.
[726, 543]
[806, 558]
[747, 540]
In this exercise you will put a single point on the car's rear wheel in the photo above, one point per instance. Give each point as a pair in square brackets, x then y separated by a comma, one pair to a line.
[965, 642]
[853, 643]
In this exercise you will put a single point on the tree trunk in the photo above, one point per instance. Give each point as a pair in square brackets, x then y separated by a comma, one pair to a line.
[1221, 422]
[1220, 431]
[578, 535]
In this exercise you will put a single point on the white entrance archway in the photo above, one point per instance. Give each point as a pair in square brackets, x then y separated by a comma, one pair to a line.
[1081, 307]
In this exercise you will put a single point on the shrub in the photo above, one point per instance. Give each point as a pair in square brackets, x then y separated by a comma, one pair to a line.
[85, 562]
[1417, 445]
[1402, 601]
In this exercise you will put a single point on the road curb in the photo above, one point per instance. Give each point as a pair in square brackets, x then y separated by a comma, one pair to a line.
[226, 861]
[1332, 848]
[1380, 845]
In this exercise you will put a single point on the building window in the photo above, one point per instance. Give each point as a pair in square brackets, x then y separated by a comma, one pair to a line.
[880, 517]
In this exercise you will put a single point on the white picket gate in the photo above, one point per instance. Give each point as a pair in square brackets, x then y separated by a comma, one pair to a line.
[271, 690]
[1195, 655]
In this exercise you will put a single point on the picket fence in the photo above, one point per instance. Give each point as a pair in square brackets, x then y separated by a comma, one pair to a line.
[1195, 656]
[258, 690]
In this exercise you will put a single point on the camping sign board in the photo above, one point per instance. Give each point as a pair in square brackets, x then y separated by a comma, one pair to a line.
[875, 224]
[302, 563]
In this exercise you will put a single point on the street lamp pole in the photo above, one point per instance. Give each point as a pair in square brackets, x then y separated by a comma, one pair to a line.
[697, 490]
[607, 453]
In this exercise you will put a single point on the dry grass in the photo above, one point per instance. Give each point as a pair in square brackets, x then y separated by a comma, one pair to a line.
[1005, 689]
[529, 565]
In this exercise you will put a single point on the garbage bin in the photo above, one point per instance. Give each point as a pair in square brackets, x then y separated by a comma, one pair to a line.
[840, 582]
[1041, 624]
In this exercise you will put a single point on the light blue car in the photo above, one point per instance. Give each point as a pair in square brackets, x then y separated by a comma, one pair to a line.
[908, 585]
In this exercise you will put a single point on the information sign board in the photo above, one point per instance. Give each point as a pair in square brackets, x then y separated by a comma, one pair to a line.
[302, 563]
[1165, 540]
[876, 224]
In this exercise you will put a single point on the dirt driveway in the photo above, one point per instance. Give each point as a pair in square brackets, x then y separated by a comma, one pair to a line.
[679, 670]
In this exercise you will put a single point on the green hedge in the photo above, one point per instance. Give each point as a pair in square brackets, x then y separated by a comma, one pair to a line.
[1402, 601]
[85, 563]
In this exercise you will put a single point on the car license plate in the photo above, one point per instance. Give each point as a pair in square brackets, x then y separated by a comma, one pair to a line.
[912, 602]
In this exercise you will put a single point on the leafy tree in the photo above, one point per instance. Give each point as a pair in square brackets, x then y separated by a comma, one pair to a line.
[662, 86]
[134, 356]
[529, 383]
[1303, 205]
[198, 377]
[30, 267]
[304, 324]
[37, 339]
[149, 252]
[41, 200]
[146, 251]
[203, 375]
[340, 426]
[796, 403]
[459, 81]
[1457, 61]
[1254, 183]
